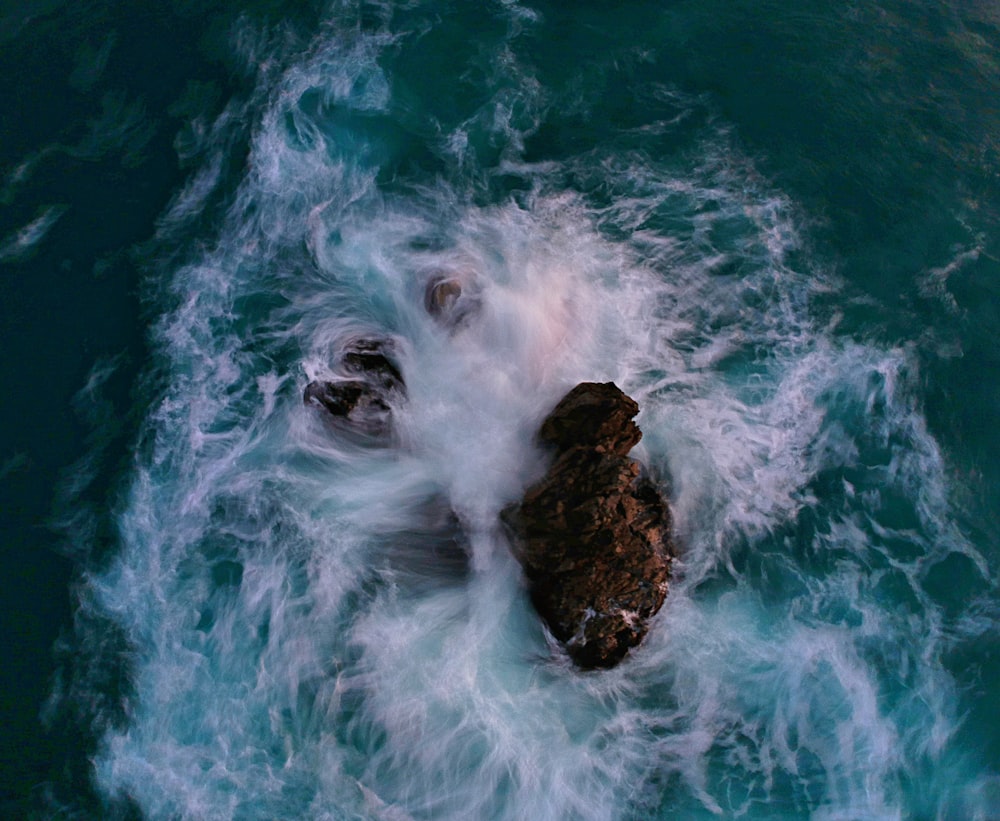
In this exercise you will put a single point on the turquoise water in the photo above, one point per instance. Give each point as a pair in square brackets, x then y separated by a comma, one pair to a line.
[773, 227]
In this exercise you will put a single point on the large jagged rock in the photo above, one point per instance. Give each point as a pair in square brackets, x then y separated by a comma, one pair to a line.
[593, 535]
[360, 404]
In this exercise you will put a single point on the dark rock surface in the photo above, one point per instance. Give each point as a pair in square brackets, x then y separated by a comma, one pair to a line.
[369, 359]
[361, 403]
[594, 415]
[593, 535]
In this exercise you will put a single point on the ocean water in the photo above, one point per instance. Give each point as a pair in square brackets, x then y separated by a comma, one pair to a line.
[774, 227]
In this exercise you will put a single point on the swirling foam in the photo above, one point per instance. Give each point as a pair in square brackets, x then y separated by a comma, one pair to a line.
[286, 664]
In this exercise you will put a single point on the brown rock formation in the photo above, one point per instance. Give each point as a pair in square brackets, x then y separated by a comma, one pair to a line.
[593, 535]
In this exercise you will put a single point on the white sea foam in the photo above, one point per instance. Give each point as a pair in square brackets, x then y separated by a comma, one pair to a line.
[26, 239]
[303, 644]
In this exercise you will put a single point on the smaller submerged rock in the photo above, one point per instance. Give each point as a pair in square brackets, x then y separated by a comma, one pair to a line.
[360, 404]
[593, 535]
[449, 301]
[442, 294]
[429, 553]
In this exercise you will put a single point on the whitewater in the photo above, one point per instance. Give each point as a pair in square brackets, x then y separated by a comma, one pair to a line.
[321, 629]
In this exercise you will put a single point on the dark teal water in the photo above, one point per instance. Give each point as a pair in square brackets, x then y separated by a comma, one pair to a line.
[774, 226]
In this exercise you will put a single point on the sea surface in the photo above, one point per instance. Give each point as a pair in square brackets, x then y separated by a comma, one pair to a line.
[773, 224]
